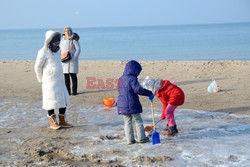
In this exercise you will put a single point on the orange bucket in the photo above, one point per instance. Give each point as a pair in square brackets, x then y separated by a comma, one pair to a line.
[108, 102]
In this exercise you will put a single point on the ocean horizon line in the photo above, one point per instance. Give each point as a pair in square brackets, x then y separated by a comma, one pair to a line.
[129, 26]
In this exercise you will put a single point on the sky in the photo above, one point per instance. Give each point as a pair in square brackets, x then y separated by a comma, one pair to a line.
[22, 14]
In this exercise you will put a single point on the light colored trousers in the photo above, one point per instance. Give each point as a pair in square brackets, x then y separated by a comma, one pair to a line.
[128, 127]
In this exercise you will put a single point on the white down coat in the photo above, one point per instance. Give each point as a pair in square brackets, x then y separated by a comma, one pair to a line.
[49, 72]
[73, 46]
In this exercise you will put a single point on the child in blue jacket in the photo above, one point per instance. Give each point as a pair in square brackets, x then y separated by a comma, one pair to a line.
[128, 102]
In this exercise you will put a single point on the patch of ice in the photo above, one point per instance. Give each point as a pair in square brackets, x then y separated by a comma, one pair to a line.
[204, 139]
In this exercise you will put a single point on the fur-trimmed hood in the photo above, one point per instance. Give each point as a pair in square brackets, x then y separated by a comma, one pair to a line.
[48, 38]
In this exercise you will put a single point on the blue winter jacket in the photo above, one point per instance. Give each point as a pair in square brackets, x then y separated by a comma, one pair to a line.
[129, 89]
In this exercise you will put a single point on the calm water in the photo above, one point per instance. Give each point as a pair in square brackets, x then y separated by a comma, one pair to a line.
[186, 42]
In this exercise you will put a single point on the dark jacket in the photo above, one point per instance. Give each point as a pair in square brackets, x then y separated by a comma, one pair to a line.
[129, 89]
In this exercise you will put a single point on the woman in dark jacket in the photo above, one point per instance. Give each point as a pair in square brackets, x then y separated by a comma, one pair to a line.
[128, 102]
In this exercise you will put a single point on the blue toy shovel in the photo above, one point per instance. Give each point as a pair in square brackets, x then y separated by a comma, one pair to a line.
[155, 135]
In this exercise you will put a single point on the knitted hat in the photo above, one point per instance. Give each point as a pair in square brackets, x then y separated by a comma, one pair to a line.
[68, 27]
[158, 84]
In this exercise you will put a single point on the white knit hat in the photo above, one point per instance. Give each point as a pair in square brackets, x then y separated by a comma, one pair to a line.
[68, 27]
[158, 84]
[151, 84]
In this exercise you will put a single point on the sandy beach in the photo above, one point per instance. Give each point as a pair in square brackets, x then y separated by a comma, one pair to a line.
[19, 81]
[38, 145]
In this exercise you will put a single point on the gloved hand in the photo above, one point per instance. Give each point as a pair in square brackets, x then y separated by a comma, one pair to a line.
[151, 97]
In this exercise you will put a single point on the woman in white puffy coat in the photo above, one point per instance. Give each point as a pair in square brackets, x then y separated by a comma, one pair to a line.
[49, 72]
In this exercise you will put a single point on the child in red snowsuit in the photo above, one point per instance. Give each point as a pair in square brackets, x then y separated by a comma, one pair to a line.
[170, 96]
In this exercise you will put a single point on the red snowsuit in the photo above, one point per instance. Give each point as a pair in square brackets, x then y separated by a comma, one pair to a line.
[169, 94]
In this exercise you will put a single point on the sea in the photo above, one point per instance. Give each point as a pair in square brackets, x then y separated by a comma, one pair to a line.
[230, 41]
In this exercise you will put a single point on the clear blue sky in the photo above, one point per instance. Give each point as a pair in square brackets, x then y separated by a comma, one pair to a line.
[15, 14]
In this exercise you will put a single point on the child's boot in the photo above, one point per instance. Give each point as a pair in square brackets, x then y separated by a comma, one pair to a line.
[131, 142]
[62, 121]
[143, 140]
[172, 131]
[53, 123]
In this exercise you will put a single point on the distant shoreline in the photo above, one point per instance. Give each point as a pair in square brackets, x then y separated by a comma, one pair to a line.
[139, 26]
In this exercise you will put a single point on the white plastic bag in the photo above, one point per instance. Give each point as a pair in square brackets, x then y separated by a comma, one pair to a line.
[213, 87]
